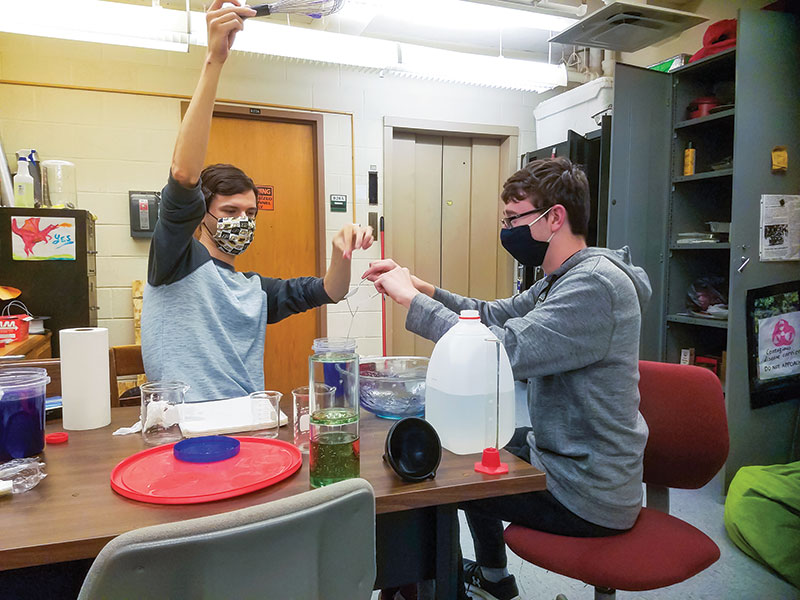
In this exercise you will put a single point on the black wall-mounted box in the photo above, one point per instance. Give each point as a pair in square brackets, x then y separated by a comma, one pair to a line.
[144, 213]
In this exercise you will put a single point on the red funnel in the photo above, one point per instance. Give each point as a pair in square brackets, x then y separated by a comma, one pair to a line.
[490, 463]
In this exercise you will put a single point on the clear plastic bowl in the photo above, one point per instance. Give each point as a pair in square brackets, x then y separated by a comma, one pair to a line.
[393, 387]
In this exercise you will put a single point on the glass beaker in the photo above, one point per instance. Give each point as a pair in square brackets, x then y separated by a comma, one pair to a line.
[300, 412]
[58, 183]
[334, 443]
[266, 410]
[160, 416]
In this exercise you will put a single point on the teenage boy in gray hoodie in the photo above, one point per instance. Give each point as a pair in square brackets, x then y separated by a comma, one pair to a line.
[574, 336]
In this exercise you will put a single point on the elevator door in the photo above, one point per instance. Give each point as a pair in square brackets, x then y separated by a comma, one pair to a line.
[443, 223]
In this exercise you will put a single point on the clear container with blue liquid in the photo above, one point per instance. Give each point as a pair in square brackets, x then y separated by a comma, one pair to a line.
[22, 412]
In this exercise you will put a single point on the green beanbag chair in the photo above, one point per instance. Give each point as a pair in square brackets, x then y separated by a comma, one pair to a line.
[762, 516]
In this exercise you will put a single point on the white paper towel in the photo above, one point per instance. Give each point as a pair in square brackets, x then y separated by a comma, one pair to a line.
[85, 392]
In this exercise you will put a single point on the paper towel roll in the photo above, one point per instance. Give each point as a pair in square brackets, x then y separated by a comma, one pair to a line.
[85, 392]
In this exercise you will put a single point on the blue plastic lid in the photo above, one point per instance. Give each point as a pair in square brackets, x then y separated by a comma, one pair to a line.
[206, 449]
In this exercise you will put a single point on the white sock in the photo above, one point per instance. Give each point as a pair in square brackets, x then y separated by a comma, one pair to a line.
[494, 575]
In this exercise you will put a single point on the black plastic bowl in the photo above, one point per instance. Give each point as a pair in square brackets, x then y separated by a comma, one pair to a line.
[413, 449]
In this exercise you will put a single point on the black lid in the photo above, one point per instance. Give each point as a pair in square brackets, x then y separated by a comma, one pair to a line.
[413, 449]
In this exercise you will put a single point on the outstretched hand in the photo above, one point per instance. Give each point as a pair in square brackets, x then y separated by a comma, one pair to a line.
[223, 23]
[352, 237]
[397, 285]
[379, 268]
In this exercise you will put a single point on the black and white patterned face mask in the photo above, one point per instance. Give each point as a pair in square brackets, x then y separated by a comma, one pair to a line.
[234, 234]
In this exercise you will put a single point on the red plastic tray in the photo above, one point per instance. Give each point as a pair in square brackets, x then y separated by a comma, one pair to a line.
[156, 476]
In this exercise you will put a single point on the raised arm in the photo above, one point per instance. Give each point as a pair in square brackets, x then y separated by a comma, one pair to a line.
[190, 149]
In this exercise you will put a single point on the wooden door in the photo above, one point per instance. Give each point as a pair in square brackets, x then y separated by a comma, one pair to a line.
[282, 155]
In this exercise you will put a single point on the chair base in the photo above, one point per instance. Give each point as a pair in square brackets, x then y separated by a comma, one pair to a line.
[600, 593]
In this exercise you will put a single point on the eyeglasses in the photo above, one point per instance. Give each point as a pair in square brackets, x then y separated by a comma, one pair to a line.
[508, 222]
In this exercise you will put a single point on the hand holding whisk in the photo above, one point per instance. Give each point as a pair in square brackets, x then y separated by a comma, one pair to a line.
[312, 8]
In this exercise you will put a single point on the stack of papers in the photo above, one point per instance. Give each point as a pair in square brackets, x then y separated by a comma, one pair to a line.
[218, 417]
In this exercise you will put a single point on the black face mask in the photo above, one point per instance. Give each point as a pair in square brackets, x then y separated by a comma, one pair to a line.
[518, 243]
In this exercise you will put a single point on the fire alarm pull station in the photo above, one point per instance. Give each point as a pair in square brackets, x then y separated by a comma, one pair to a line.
[144, 213]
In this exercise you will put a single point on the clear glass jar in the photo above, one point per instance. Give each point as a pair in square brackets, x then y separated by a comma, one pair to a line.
[160, 413]
[334, 443]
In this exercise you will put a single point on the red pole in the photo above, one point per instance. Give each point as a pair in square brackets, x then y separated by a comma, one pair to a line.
[383, 298]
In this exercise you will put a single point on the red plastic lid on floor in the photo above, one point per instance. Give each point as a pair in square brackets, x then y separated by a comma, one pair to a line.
[157, 477]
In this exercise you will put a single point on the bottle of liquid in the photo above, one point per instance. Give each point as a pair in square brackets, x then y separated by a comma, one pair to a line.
[23, 185]
[461, 395]
[688, 159]
[35, 171]
[334, 449]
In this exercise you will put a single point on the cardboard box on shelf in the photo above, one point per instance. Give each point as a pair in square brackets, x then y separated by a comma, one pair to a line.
[687, 356]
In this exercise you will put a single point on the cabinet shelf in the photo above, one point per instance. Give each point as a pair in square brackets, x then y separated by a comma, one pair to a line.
[690, 320]
[724, 114]
[705, 175]
[725, 60]
[701, 246]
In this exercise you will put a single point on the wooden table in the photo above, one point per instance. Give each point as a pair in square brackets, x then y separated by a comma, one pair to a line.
[36, 345]
[73, 513]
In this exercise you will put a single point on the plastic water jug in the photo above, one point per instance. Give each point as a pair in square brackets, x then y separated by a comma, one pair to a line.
[461, 388]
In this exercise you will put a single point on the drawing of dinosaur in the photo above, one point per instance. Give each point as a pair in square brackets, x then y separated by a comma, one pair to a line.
[31, 234]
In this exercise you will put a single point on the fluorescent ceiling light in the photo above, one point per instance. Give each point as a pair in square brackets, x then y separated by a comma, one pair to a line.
[459, 67]
[97, 21]
[392, 58]
[455, 14]
[305, 44]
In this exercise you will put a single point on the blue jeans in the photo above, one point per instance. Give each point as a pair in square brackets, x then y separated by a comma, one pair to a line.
[536, 510]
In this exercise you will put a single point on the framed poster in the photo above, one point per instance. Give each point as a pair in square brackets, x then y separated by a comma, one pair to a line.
[42, 238]
[773, 343]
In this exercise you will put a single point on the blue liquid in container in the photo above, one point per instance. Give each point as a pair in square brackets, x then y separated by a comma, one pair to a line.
[22, 417]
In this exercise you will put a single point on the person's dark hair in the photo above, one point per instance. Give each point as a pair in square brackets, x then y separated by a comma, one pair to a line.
[552, 181]
[225, 180]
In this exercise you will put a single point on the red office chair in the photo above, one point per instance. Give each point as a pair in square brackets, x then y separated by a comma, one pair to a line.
[685, 410]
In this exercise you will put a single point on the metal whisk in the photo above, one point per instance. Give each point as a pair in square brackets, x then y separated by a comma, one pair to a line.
[313, 8]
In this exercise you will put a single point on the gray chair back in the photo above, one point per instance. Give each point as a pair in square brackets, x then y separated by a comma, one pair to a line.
[318, 545]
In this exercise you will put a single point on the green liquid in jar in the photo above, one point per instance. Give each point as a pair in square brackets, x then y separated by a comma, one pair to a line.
[333, 457]
[334, 416]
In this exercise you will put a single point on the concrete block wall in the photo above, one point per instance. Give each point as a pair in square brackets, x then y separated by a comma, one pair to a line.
[121, 142]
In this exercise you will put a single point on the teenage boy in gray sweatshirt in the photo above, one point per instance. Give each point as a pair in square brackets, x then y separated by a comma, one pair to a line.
[574, 336]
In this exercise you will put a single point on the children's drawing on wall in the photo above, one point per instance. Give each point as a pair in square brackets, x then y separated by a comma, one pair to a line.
[42, 238]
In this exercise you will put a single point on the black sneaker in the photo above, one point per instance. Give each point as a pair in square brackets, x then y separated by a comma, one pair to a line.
[480, 587]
